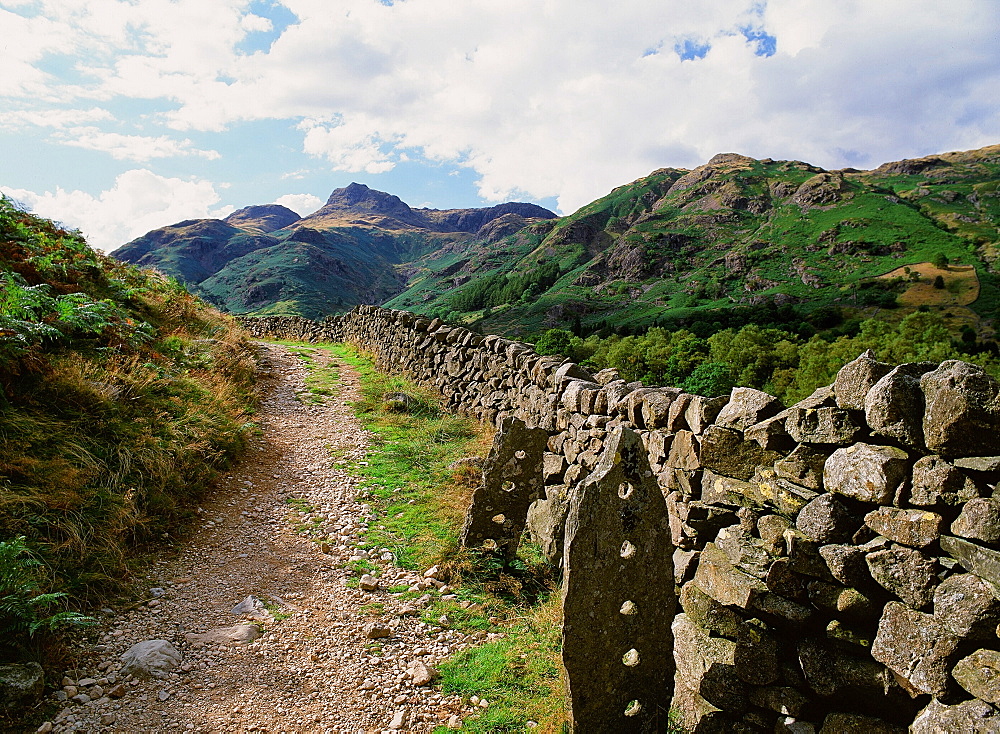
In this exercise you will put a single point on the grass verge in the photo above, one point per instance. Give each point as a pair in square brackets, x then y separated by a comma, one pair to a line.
[419, 492]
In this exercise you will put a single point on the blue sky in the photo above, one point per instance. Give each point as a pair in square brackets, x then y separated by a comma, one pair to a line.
[117, 117]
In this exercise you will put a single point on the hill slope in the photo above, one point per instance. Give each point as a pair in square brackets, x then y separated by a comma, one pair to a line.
[121, 396]
[355, 249]
[735, 234]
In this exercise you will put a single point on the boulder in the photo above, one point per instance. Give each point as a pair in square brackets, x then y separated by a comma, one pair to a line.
[916, 647]
[821, 425]
[150, 659]
[966, 607]
[979, 674]
[866, 473]
[237, 634]
[846, 564]
[979, 520]
[725, 452]
[894, 407]
[915, 528]
[829, 670]
[804, 466]
[21, 686]
[938, 483]
[968, 717]
[984, 562]
[905, 572]
[962, 410]
[841, 723]
[827, 519]
[856, 378]
[746, 407]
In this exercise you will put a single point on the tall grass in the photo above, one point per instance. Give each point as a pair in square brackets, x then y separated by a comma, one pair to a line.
[121, 397]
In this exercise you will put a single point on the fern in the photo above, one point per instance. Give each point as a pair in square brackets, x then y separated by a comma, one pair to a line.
[24, 611]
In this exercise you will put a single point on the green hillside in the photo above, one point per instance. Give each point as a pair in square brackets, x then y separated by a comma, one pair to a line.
[738, 239]
[121, 397]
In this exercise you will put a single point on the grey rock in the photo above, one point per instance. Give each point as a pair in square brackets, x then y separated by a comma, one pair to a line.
[979, 674]
[987, 464]
[966, 607]
[546, 520]
[512, 480]
[915, 528]
[827, 519]
[979, 520]
[617, 549]
[368, 583]
[400, 402]
[803, 466]
[905, 572]
[856, 378]
[151, 658]
[823, 425]
[915, 646]
[894, 407]
[726, 452]
[422, 674]
[938, 483]
[238, 633]
[984, 562]
[21, 685]
[962, 410]
[830, 670]
[707, 665]
[746, 407]
[702, 412]
[846, 564]
[719, 579]
[656, 404]
[867, 473]
[968, 717]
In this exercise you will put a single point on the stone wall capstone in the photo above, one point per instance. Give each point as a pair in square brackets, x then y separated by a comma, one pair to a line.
[837, 561]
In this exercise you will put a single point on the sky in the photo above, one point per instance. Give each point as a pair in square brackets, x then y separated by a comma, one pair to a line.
[120, 116]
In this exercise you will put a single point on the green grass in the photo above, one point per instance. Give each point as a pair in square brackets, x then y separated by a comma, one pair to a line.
[419, 505]
[520, 675]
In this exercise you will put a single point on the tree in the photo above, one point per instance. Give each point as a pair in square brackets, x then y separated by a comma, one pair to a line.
[941, 261]
[939, 282]
[710, 379]
[555, 341]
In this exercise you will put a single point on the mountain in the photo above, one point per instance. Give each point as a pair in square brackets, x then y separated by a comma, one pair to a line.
[739, 238]
[357, 248]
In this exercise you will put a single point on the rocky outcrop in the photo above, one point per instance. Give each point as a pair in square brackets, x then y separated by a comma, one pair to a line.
[837, 561]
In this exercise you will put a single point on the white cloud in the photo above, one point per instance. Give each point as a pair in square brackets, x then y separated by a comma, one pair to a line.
[133, 147]
[254, 23]
[138, 202]
[564, 98]
[301, 204]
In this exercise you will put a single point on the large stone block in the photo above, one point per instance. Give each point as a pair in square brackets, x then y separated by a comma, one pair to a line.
[984, 562]
[618, 593]
[962, 410]
[21, 687]
[936, 483]
[917, 647]
[979, 674]
[915, 528]
[856, 378]
[966, 607]
[804, 466]
[866, 473]
[512, 480]
[829, 670]
[905, 572]
[968, 717]
[656, 404]
[979, 520]
[894, 407]
[746, 407]
[717, 577]
[826, 519]
[726, 452]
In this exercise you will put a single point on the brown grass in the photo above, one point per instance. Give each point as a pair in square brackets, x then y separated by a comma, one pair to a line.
[961, 285]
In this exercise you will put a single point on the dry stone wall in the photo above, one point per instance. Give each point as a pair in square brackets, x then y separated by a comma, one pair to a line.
[837, 561]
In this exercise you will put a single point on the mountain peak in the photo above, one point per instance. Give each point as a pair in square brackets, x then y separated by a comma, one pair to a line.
[360, 198]
[262, 217]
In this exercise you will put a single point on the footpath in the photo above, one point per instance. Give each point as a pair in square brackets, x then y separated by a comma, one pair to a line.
[268, 634]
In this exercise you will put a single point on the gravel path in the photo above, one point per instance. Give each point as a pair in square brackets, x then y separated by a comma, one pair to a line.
[330, 658]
